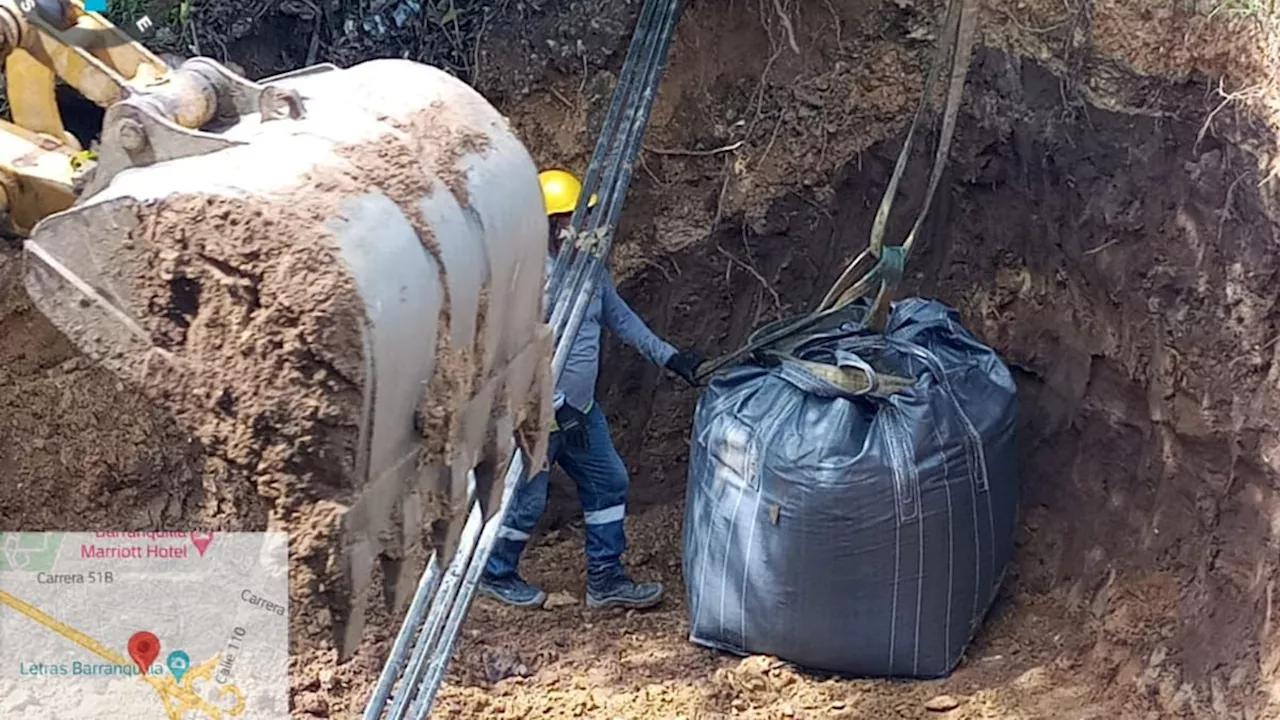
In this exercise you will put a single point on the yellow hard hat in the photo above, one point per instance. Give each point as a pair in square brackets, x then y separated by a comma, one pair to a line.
[561, 190]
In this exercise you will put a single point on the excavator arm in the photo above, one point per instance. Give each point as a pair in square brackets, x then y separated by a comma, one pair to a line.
[333, 278]
[42, 167]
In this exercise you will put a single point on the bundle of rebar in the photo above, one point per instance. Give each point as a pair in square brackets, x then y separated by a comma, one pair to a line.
[415, 668]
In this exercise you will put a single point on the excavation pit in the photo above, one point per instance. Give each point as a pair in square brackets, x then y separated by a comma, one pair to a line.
[1106, 222]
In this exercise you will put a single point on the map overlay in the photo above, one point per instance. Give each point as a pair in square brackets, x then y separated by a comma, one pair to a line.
[82, 615]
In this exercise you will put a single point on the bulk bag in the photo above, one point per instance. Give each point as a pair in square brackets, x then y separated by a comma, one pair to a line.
[852, 530]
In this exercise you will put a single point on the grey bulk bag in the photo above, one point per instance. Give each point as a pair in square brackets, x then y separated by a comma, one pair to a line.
[853, 532]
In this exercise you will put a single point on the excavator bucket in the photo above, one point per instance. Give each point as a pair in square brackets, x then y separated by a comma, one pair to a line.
[337, 287]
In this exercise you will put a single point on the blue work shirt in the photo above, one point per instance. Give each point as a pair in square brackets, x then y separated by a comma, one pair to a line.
[577, 384]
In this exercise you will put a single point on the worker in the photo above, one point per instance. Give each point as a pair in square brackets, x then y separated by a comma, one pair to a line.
[580, 442]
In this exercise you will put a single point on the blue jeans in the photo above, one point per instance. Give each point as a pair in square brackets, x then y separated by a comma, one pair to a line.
[602, 482]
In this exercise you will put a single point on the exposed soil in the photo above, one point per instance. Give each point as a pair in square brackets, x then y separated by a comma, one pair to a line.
[1105, 224]
[570, 662]
[1071, 257]
[77, 448]
[1120, 261]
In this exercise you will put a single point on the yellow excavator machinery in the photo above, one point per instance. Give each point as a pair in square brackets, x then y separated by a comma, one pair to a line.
[352, 259]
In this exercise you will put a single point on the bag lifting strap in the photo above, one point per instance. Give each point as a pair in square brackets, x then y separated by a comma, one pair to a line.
[880, 267]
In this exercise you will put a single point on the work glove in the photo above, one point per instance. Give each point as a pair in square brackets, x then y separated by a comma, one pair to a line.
[685, 364]
[572, 424]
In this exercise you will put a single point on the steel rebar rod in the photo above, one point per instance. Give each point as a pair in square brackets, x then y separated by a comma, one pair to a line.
[396, 659]
[424, 650]
[608, 176]
[453, 625]
[612, 153]
[617, 178]
[610, 214]
[640, 42]
[423, 643]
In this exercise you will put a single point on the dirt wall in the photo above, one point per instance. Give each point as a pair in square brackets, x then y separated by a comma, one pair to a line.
[1122, 262]
[1123, 271]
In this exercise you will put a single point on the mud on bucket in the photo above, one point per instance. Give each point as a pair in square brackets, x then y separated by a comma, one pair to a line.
[296, 297]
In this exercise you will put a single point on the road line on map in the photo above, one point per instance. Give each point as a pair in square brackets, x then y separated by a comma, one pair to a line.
[164, 687]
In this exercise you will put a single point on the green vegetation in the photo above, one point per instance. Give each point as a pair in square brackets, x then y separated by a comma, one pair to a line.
[1264, 9]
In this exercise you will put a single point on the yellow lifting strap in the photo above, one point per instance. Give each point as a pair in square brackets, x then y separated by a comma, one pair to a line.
[854, 381]
[880, 267]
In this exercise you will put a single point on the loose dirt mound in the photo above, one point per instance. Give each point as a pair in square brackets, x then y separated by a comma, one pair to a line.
[77, 447]
[572, 663]
[1105, 224]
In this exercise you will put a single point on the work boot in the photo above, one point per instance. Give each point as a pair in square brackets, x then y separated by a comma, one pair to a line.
[615, 589]
[512, 590]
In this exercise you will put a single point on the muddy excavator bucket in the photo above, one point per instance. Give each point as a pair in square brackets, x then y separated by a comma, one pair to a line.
[342, 300]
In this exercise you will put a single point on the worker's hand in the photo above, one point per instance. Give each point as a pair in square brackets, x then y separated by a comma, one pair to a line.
[685, 364]
[572, 424]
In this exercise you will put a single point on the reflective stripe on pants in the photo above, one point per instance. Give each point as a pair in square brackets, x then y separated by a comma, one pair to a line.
[602, 482]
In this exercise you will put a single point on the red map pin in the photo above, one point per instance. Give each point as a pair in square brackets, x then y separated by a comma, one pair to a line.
[144, 647]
